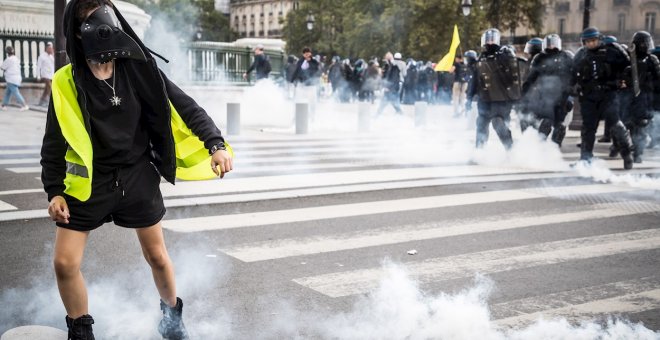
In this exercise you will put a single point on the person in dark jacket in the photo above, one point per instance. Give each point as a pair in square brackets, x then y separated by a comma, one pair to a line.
[110, 136]
[550, 74]
[497, 82]
[261, 64]
[598, 72]
[308, 70]
[637, 114]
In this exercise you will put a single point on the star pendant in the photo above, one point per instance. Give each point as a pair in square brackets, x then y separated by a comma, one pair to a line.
[116, 101]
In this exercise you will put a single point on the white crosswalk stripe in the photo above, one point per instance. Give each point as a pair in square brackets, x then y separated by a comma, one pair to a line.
[352, 166]
[490, 261]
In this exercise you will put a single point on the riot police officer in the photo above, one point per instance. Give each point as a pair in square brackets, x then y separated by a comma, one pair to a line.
[550, 75]
[599, 73]
[533, 47]
[497, 82]
[639, 87]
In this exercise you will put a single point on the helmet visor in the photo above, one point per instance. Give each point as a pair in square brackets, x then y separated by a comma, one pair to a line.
[491, 37]
[552, 41]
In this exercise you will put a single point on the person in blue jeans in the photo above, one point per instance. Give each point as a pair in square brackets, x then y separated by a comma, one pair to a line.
[12, 70]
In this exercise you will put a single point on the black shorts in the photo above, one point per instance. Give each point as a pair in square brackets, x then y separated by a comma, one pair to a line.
[128, 196]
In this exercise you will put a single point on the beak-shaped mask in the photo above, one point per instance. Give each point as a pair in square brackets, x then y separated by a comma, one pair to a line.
[103, 38]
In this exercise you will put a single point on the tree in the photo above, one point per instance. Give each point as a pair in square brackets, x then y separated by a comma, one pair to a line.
[421, 29]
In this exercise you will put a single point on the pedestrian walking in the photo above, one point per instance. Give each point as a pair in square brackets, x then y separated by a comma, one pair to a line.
[261, 64]
[45, 70]
[460, 85]
[394, 71]
[11, 67]
[115, 125]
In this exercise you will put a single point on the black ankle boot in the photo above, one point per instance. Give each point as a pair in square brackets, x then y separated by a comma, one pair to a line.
[80, 328]
[171, 327]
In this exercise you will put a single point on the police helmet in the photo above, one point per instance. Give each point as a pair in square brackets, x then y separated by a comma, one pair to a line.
[608, 39]
[643, 42]
[471, 54]
[491, 36]
[589, 33]
[552, 41]
[533, 46]
[336, 59]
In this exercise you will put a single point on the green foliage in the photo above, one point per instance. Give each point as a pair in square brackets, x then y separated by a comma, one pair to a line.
[507, 14]
[420, 29]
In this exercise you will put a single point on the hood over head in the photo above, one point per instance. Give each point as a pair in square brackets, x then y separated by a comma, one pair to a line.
[103, 33]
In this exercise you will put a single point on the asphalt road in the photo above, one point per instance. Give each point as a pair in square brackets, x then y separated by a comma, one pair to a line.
[407, 233]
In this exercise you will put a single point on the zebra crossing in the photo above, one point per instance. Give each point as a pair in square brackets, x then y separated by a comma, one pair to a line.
[347, 198]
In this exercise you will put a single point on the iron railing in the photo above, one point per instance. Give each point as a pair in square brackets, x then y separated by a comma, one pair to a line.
[221, 63]
[209, 62]
[27, 46]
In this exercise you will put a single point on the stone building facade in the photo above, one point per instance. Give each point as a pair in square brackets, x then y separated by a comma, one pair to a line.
[620, 18]
[260, 18]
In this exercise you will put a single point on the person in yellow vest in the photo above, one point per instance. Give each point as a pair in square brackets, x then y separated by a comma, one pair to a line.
[115, 125]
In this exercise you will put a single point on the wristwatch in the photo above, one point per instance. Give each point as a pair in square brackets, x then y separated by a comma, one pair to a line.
[216, 147]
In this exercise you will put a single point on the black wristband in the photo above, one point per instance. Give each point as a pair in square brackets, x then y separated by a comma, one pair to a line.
[219, 146]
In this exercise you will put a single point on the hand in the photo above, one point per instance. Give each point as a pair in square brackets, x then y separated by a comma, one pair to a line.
[59, 210]
[622, 84]
[222, 159]
[244, 75]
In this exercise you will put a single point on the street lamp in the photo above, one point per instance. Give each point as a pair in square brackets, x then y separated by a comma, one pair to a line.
[310, 21]
[466, 6]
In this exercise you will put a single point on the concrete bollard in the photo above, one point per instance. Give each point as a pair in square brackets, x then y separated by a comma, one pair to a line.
[302, 118]
[233, 118]
[364, 117]
[420, 113]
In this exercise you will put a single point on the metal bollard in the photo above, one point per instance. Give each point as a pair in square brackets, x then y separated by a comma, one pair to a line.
[364, 117]
[302, 118]
[420, 113]
[233, 118]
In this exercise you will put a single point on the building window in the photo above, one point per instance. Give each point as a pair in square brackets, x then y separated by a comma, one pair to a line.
[622, 24]
[649, 22]
[562, 26]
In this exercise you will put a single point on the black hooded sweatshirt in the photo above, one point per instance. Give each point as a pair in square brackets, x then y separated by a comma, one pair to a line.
[153, 89]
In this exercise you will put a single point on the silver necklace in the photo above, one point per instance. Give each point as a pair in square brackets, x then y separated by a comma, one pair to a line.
[116, 101]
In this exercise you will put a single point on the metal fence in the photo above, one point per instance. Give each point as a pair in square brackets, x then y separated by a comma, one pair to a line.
[222, 63]
[27, 46]
[209, 62]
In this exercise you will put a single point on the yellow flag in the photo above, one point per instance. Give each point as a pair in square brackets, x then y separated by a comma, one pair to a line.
[447, 61]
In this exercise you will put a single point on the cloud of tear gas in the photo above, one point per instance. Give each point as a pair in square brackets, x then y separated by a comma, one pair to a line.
[125, 305]
[599, 171]
[398, 309]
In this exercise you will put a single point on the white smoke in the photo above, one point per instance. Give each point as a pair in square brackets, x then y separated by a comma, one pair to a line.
[125, 304]
[399, 310]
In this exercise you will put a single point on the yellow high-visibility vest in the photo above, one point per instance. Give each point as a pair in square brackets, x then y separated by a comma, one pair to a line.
[192, 158]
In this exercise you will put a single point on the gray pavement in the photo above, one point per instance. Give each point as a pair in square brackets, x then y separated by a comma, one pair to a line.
[310, 237]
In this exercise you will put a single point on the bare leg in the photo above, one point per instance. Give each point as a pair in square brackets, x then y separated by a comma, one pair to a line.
[69, 249]
[162, 269]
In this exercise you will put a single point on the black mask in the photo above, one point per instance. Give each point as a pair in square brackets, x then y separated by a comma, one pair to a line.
[492, 48]
[103, 38]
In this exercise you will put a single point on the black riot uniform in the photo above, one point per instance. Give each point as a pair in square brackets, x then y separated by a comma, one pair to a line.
[533, 47]
[639, 113]
[599, 73]
[550, 75]
[497, 82]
